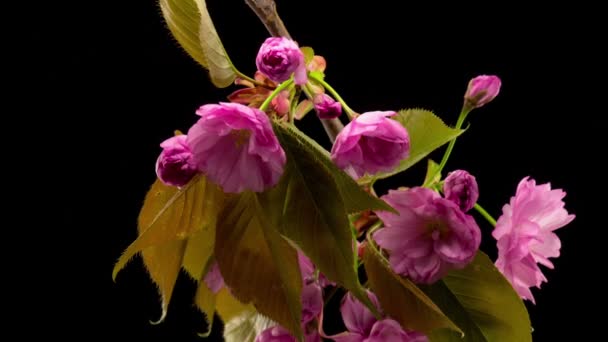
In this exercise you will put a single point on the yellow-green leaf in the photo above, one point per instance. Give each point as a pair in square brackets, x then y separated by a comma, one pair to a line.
[170, 214]
[308, 53]
[228, 307]
[163, 264]
[199, 251]
[257, 264]
[401, 299]
[432, 170]
[191, 25]
[483, 304]
[205, 301]
[427, 133]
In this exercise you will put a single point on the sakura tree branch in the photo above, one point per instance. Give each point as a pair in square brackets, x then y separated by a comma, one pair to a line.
[266, 10]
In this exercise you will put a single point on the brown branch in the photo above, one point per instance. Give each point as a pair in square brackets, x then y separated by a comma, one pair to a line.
[266, 10]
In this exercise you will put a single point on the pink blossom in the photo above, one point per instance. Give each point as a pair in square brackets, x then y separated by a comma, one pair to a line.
[525, 234]
[280, 334]
[214, 279]
[429, 237]
[363, 327]
[235, 147]
[279, 58]
[173, 166]
[461, 188]
[371, 143]
[326, 107]
[481, 90]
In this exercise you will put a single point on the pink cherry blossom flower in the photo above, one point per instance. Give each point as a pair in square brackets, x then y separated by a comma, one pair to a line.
[429, 237]
[279, 58]
[363, 327]
[173, 166]
[481, 90]
[235, 147]
[461, 188]
[371, 143]
[525, 234]
[280, 334]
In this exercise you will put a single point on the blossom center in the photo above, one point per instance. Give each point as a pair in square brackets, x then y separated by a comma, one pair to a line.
[240, 136]
[437, 230]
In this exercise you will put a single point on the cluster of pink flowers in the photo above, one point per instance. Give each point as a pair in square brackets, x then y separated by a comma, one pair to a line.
[234, 145]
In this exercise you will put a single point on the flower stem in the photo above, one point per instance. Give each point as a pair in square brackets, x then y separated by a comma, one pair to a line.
[485, 214]
[274, 94]
[351, 113]
[463, 114]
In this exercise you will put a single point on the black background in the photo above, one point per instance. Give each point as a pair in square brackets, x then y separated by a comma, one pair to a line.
[114, 84]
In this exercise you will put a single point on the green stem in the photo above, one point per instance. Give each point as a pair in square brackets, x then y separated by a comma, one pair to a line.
[485, 214]
[293, 102]
[351, 113]
[448, 151]
[274, 94]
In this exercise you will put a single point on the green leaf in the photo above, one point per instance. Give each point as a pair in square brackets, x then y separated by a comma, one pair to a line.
[401, 299]
[167, 218]
[483, 304]
[199, 251]
[427, 133]
[257, 264]
[355, 198]
[170, 214]
[431, 171]
[309, 53]
[191, 24]
[308, 208]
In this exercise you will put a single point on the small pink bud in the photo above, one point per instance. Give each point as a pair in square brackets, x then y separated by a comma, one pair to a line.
[326, 107]
[461, 188]
[481, 90]
[173, 166]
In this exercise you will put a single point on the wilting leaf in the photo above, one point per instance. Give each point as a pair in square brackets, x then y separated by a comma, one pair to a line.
[170, 214]
[246, 327]
[257, 264]
[167, 218]
[401, 299]
[354, 197]
[191, 25]
[483, 304]
[427, 133]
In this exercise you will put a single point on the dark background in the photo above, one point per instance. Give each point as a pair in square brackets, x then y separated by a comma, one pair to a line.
[114, 84]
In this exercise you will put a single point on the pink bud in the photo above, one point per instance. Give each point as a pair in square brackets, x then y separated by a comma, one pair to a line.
[173, 166]
[461, 188]
[481, 90]
[279, 58]
[326, 107]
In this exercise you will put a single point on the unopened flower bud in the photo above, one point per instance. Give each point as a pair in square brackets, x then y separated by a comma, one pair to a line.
[326, 107]
[481, 90]
[461, 188]
[279, 58]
